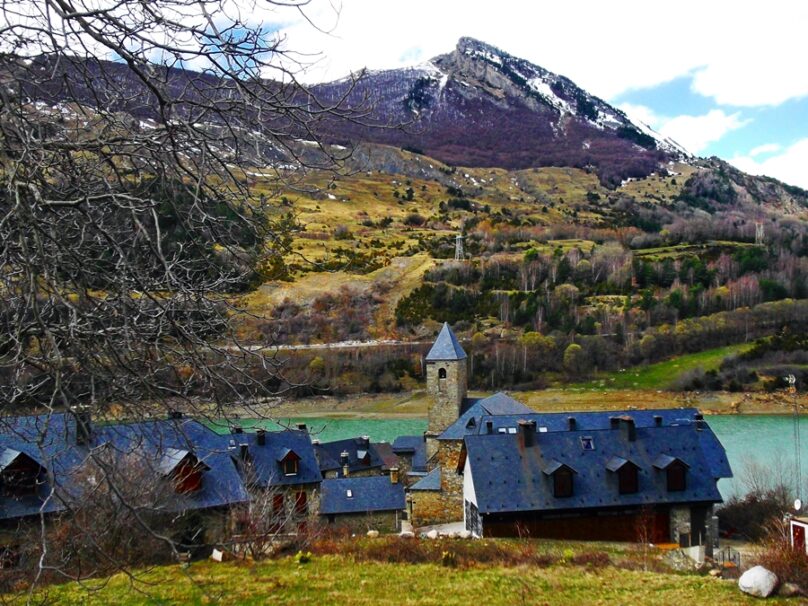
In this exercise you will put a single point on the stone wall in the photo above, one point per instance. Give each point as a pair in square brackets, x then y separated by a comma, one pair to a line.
[679, 522]
[447, 393]
[360, 523]
[445, 505]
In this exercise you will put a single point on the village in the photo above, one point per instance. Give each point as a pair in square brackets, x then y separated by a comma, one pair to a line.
[488, 467]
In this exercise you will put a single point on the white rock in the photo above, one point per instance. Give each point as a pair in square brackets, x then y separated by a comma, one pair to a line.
[465, 534]
[758, 582]
[432, 534]
[217, 555]
[373, 534]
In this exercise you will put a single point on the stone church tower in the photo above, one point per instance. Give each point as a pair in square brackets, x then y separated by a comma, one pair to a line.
[446, 382]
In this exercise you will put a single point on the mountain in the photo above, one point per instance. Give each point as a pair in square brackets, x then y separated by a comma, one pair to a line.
[480, 106]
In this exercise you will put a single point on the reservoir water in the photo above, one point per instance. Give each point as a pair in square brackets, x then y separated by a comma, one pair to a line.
[755, 444]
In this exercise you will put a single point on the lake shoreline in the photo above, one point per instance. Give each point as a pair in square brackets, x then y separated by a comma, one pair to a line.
[414, 405]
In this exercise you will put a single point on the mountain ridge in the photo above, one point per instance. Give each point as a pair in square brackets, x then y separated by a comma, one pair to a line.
[480, 106]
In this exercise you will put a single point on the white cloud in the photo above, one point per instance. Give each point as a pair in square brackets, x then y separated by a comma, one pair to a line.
[694, 133]
[739, 54]
[765, 149]
[789, 166]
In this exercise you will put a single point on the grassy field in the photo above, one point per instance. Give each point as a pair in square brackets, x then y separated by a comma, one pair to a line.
[661, 374]
[341, 580]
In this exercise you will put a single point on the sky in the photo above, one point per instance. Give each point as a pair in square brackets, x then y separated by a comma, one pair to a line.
[724, 78]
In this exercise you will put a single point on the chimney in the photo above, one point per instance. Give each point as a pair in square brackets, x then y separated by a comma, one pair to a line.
[657, 420]
[302, 427]
[261, 437]
[489, 427]
[175, 414]
[394, 475]
[527, 433]
[238, 429]
[699, 418]
[365, 440]
[343, 459]
[573, 424]
[84, 425]
[243, 451]
[629, 428]
[614, 422]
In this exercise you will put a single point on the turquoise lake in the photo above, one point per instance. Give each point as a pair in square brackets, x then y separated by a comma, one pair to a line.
[763, 440]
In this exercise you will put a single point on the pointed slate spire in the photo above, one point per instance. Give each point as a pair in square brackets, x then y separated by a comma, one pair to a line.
[446, 347]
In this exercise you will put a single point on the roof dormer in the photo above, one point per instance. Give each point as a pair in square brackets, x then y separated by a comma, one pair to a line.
[289, 461]
[183, 469]
[627, 474]
[20, 474]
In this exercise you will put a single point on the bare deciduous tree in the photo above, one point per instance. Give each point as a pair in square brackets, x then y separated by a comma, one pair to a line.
[128, 216]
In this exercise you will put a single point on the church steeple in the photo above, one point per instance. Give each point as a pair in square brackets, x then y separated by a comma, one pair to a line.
[446, 380]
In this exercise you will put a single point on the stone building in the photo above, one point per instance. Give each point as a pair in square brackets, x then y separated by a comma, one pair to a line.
[451, 415]
[620, 476]
[363, 503]
[282, 475]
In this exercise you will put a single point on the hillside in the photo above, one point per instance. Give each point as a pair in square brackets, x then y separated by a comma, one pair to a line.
[590, 243]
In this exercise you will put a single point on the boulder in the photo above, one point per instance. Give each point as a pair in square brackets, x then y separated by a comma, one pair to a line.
[373, 534]
[432, 534]
[465, 534]
[758, 581]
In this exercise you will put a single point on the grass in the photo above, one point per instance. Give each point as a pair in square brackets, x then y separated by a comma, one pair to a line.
[340, 579]
[661, 374]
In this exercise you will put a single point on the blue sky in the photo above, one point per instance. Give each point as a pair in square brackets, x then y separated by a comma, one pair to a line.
[725, 78]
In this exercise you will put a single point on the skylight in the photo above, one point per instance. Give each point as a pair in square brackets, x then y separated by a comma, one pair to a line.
[587, 443]
[349, 493]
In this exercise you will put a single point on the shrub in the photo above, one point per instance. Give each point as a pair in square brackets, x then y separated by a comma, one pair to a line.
[414, 220]
[789, 564]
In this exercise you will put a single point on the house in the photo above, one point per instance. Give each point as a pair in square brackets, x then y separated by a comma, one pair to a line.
[282, 474]
[354, 457]
[649, 475]
[175, 468]
[362, 503]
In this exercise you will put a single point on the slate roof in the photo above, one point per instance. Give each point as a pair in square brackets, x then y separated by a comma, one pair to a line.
[430, 481]
[509, 477]
[446, 347]
[469, 421]
[593, 421]
[328, 455]
[266, 470]
[51, 440]
[368, 494]
[413, 446]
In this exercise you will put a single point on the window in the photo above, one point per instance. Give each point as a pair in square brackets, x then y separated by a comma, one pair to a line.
[290, 467]
[349, 493]
[562, 483]
[676, 473]
[301, 503]
[627, 479]
[441, 373]
[587, 443]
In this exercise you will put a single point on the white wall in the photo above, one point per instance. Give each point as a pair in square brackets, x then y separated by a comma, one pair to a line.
[468, 483]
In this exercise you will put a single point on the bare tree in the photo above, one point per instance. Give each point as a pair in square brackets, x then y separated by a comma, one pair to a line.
[128, 216]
